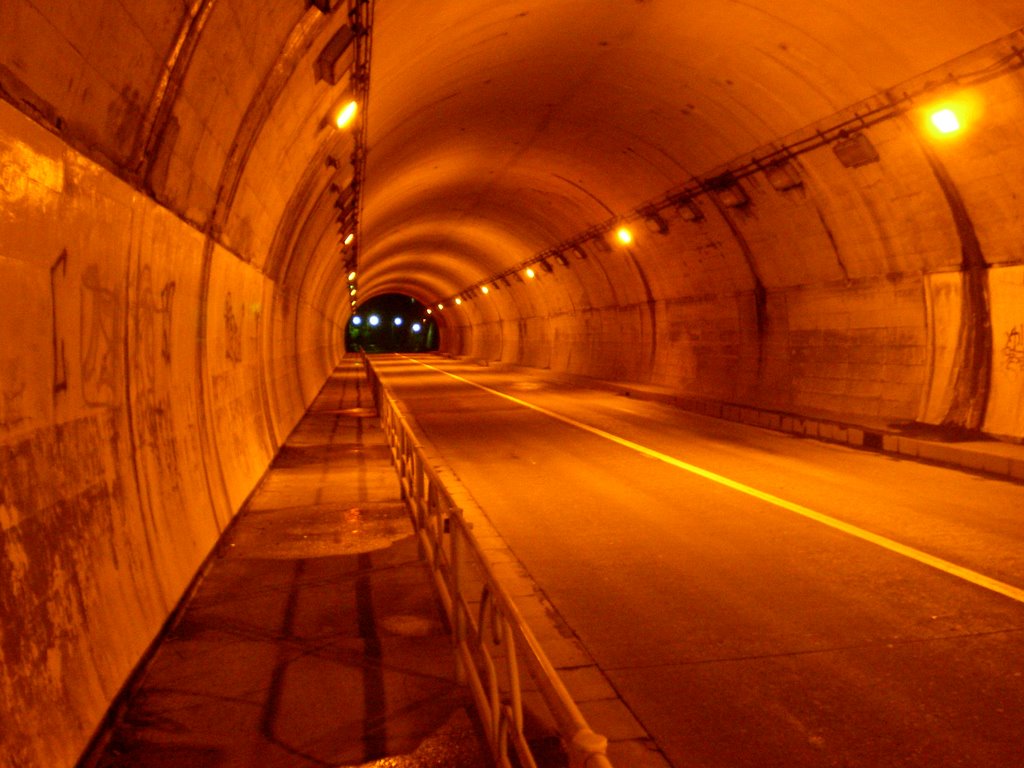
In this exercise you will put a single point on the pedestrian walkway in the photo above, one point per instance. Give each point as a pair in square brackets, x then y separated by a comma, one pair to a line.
[313, 637]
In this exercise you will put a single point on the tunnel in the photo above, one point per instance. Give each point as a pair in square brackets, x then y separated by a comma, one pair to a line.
[804, 208]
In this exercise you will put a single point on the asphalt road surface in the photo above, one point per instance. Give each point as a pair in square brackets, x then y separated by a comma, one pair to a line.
[757, 599]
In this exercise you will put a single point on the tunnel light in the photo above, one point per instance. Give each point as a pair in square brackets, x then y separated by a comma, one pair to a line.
[351, 276]
[349, 238]
[351, 291]
[357, 320]
[484, 290]
[458, 302]
[945, 121]
[346, 114]
[440, 307]
[374, 320]
[530, 273]
[623, 235]
[416, 327]
[398, 321]
[430, 311]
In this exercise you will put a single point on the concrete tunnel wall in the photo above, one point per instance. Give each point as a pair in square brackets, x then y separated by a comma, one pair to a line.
[174, 293]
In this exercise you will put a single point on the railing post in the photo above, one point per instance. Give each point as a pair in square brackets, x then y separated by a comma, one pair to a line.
[458, 614]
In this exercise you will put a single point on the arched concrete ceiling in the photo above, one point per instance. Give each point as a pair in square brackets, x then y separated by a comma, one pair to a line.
[494, 130]
[545, 118]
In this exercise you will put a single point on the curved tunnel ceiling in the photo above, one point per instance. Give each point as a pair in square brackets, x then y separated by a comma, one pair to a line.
[499, 130]
[493, 131]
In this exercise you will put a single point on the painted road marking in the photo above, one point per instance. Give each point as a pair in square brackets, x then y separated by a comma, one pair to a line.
[978, 579]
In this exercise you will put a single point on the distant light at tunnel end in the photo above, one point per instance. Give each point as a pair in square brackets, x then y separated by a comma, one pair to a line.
[374, 320]
[357, 320]
[416, 327]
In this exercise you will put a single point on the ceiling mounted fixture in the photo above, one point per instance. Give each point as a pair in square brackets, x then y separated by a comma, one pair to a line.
[331, 65]
[324, 6]
[855, 150]
[728, 190]
[346, 114]
[945, 121]
[687, 209]
[783, 176]
[655, 221]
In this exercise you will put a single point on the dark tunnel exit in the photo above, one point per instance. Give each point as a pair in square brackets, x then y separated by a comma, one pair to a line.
[391, 322]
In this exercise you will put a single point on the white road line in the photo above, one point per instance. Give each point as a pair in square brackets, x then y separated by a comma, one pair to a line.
[978, 579]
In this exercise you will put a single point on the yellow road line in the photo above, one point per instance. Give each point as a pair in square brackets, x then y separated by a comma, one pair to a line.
[938, 563]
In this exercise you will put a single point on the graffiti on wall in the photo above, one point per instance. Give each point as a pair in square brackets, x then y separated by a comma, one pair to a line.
[58, 275]
[1013, 349]
[12, 409]
[232, 332]
[99, 326]
[150, 375]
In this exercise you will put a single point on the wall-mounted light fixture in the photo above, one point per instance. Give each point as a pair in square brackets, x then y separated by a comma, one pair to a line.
[546, 266]
[484, 290]
[324, 6]
[351, 276]
[624, 235]
[728, 190]
[783, 176]
[330, 65]
[559, 257]
[579, 253]
[687, 209]
[345, 114]
[530, 273]
[655, 221]
[855, 150]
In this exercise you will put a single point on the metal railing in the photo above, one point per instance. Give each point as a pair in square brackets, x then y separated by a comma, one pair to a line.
[491, 637]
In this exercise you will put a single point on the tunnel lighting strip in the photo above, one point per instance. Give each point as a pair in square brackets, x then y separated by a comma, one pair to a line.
[864, 114]
[361, 15]
[960, 572]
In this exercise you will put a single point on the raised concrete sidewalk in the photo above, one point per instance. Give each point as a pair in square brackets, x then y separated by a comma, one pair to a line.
[965, 451]
[313, 636]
